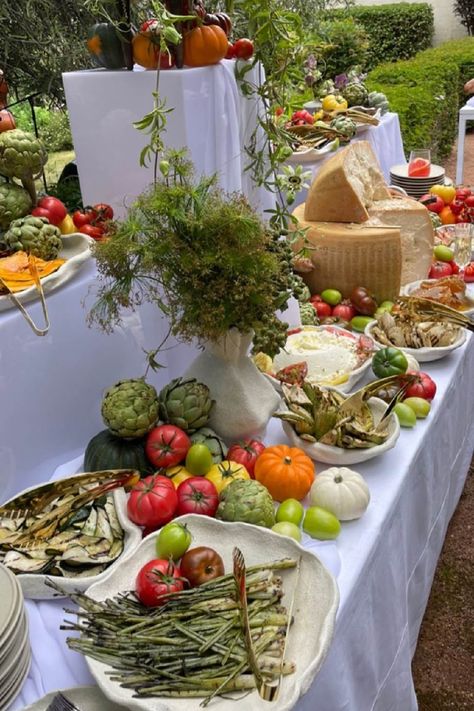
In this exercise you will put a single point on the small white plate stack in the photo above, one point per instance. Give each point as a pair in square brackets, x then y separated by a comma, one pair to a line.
[15, 651]
[416, 187]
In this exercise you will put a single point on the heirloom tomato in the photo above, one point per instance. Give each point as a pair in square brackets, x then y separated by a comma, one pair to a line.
[333, 297]
[443, 253]
[446, 192]
[247, 451]
[406, 416]
[152, 502]
[94, 231]
[197, 495]
[103, 212]
[156, 580]
[81, 218]
[198, 565]
[285, 528]
[56, 211]
[173, 541]
[225, 472]
[440, 269]
[419, 405]
[290, 511]
[344, 312]
[198, 459]
[363, 301]
[243, 48]
[322, 524]
[468, 273]
[433, 203]
[423, 386]
[323, 309]
[166, 445]
[389, 361]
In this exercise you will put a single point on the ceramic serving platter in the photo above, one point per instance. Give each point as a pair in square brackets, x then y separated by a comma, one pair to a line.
[315, 605]
[76, 250]
[86, 698]
[422, 355]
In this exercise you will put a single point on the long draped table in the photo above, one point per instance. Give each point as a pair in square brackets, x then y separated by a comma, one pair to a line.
[51, 390]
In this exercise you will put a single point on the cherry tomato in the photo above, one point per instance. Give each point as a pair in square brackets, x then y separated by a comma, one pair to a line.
[198, 565]
[423, 386]
[247, 451]
[152, 502]
[243, 48]
[93, 231]
[166, 445]
[197, 495]
[440, 269]
[468, 274]
[57, 210]
[322, 309]
[156, 580]
[82, 218]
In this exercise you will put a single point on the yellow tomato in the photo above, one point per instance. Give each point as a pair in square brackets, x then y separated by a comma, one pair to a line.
[67, 226]
[177, 474]
[318, 115]
[446, 192]
[225, 473]
[331, 102]
[446, 216]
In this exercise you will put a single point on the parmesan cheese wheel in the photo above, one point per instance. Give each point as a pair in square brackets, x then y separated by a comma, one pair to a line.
[416, 231]
[346, 185]
[349, 255]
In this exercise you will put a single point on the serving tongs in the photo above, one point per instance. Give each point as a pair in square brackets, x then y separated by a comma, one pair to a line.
[268, 690]
[416, 306]
[39, 287]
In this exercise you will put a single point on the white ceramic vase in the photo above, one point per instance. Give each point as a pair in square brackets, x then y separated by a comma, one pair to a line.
[244, 399]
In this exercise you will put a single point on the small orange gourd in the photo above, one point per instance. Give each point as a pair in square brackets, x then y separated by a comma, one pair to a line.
[204, 45]
[7, 122]
[287, 472]
[145, 51]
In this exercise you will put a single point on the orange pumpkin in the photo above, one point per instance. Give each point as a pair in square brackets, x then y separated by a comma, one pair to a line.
[287, 472]
[7, 122]
[204, 45]
[145, 51]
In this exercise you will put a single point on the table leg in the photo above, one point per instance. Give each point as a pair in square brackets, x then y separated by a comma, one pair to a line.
[460, 151]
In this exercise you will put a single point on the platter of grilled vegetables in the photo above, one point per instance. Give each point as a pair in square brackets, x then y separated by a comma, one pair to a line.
[72, 529]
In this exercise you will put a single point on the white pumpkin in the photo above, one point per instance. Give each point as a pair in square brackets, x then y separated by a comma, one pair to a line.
[341, 491]
[412, 362]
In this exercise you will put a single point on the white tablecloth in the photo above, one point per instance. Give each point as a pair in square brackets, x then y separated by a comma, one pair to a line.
[387, 558]
[386, 141]
[211, 118]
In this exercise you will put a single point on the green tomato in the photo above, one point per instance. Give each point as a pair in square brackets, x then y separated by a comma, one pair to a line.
[173, 541]
[322, 524]
[389, 361]
[198, 459]
[443, 253]
[384, 306]
[290, 510]
[419, 405]
[358, 323]
[286, 528]
[405, 414]
[331, 296]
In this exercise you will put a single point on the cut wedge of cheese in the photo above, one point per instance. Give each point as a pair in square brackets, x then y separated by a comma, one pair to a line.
[416, 231]
[347, 184]
[349, 255]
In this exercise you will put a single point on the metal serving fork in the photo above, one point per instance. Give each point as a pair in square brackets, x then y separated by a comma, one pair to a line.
[61, 703]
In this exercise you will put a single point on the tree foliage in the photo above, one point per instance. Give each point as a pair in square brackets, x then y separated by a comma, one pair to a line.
[465, 10]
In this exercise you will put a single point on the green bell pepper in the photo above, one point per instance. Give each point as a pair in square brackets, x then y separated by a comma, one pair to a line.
[389, 361]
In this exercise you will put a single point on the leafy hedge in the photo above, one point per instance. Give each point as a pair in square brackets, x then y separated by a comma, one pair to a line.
[426, 92]
[396, 31]
[53, 125]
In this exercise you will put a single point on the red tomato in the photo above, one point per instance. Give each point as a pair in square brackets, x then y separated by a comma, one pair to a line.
[434, 203]
[456, 206]
[198, 565]
[82, 218]
[440, 269]
[152, 502]
[345, 312]
[246, 453]
[230, 51]
[166, 445]
[322, 309]
[197, 495]
[41, 212]
[454, 267]
[316, 298]
[293, 374]
[243, 48]
[93, 231]
[156, 580]
[424, 386]
[469, 201]
[304, 116]
[468, 274]
[57, 210]
[103, 212]
[462, 193]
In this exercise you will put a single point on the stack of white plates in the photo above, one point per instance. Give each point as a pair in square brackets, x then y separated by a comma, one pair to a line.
[15, 653]
[416, 187]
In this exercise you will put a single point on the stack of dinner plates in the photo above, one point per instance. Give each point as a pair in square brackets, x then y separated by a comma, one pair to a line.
[15, 653]
[416, 187]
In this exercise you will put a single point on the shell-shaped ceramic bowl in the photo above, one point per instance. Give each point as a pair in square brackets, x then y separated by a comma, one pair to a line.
[314, 609]
[422, 355]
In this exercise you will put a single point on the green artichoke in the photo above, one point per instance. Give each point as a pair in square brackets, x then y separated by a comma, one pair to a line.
[246, 500]
[130, 408]
[377, 100]
[14, 203]
[34, 235]
[435, 219]
[355, 94]
[213, 442]
[186, 404]
[22, 155]
[344, 125]
[308, 315]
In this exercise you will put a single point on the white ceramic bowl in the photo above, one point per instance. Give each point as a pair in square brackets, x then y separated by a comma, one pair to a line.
[33, 584]
[422, 355]
[408, 289]
[352, 377]
[344, 457]
[315, 606]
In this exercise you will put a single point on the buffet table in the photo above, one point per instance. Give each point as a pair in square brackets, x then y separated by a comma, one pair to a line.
[387, 558]
[210, 117]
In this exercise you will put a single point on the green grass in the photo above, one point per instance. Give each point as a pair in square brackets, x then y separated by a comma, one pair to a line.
[54, 166]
